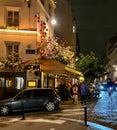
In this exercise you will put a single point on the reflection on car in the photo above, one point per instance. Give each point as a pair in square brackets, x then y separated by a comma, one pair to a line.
[31, 99]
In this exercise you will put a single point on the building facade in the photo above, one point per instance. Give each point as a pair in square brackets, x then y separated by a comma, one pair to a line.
[66, 28]
[111, 53]
[24, 26]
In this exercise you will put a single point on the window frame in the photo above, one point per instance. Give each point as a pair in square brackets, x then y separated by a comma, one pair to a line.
[13, 44]
[13, 9]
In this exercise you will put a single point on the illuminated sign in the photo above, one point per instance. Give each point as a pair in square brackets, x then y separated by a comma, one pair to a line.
[31, 83]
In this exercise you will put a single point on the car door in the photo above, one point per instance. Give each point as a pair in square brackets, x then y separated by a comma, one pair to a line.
[38, 98]
[22, 101]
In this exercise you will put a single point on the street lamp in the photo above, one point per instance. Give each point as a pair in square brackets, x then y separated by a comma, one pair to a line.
[28, 1]
[77, 59]
[53, 21]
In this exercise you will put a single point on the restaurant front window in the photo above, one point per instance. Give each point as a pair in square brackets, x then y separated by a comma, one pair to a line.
[9, 86]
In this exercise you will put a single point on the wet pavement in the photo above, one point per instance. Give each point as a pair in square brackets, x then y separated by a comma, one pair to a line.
[105, 109]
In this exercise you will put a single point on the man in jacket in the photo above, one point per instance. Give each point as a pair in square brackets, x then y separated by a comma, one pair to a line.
[83, 92]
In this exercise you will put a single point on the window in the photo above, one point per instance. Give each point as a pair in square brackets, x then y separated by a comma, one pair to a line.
[42, 93]
[36, 94]
[24, 95]
[12, 49]
[12, 16]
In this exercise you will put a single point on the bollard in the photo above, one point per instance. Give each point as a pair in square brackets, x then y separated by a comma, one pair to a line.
[23, 115]
[85, 114]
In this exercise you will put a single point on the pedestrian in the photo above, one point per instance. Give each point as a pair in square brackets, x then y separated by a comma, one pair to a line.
[109, 86]
[63, 92]
[75, 93]
[83, 91]
[69, 86]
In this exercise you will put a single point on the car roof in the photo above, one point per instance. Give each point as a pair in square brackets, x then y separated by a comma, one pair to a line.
[31, 89]
[38, 89]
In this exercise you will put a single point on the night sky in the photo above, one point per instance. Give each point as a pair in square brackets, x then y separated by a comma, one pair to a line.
[97, 23]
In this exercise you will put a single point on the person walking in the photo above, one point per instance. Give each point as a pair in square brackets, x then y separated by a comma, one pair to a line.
[83, 92]
[75, 93]
[109, 86]
[63, 92]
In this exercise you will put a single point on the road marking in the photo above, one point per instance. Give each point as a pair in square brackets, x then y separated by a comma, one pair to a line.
[76, 113]
[59, 121]
[46, 120]
[67, 110]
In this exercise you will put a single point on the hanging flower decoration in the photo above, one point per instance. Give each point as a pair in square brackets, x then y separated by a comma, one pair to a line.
[8, 63]
[54, 50]
[50, 49]
[41, 27]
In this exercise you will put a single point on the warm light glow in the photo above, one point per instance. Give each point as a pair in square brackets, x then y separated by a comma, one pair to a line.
[76, 58]
[53, 21]
[32, 84]
[81, 78]
[19, 31]
[27, 0]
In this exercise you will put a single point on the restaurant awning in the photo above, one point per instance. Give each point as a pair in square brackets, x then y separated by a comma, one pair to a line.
[73, 71]
[52, 66]
[56, 67]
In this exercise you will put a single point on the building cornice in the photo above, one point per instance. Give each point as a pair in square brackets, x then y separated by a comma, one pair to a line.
[18, 32]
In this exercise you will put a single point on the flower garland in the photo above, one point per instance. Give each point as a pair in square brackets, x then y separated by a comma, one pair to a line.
[50, 49]
[6, 63]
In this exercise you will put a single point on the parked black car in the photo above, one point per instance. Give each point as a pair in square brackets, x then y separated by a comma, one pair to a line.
[31, 99]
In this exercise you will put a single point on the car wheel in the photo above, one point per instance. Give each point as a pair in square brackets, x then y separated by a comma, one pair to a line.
[50, 106]
[4, 110]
